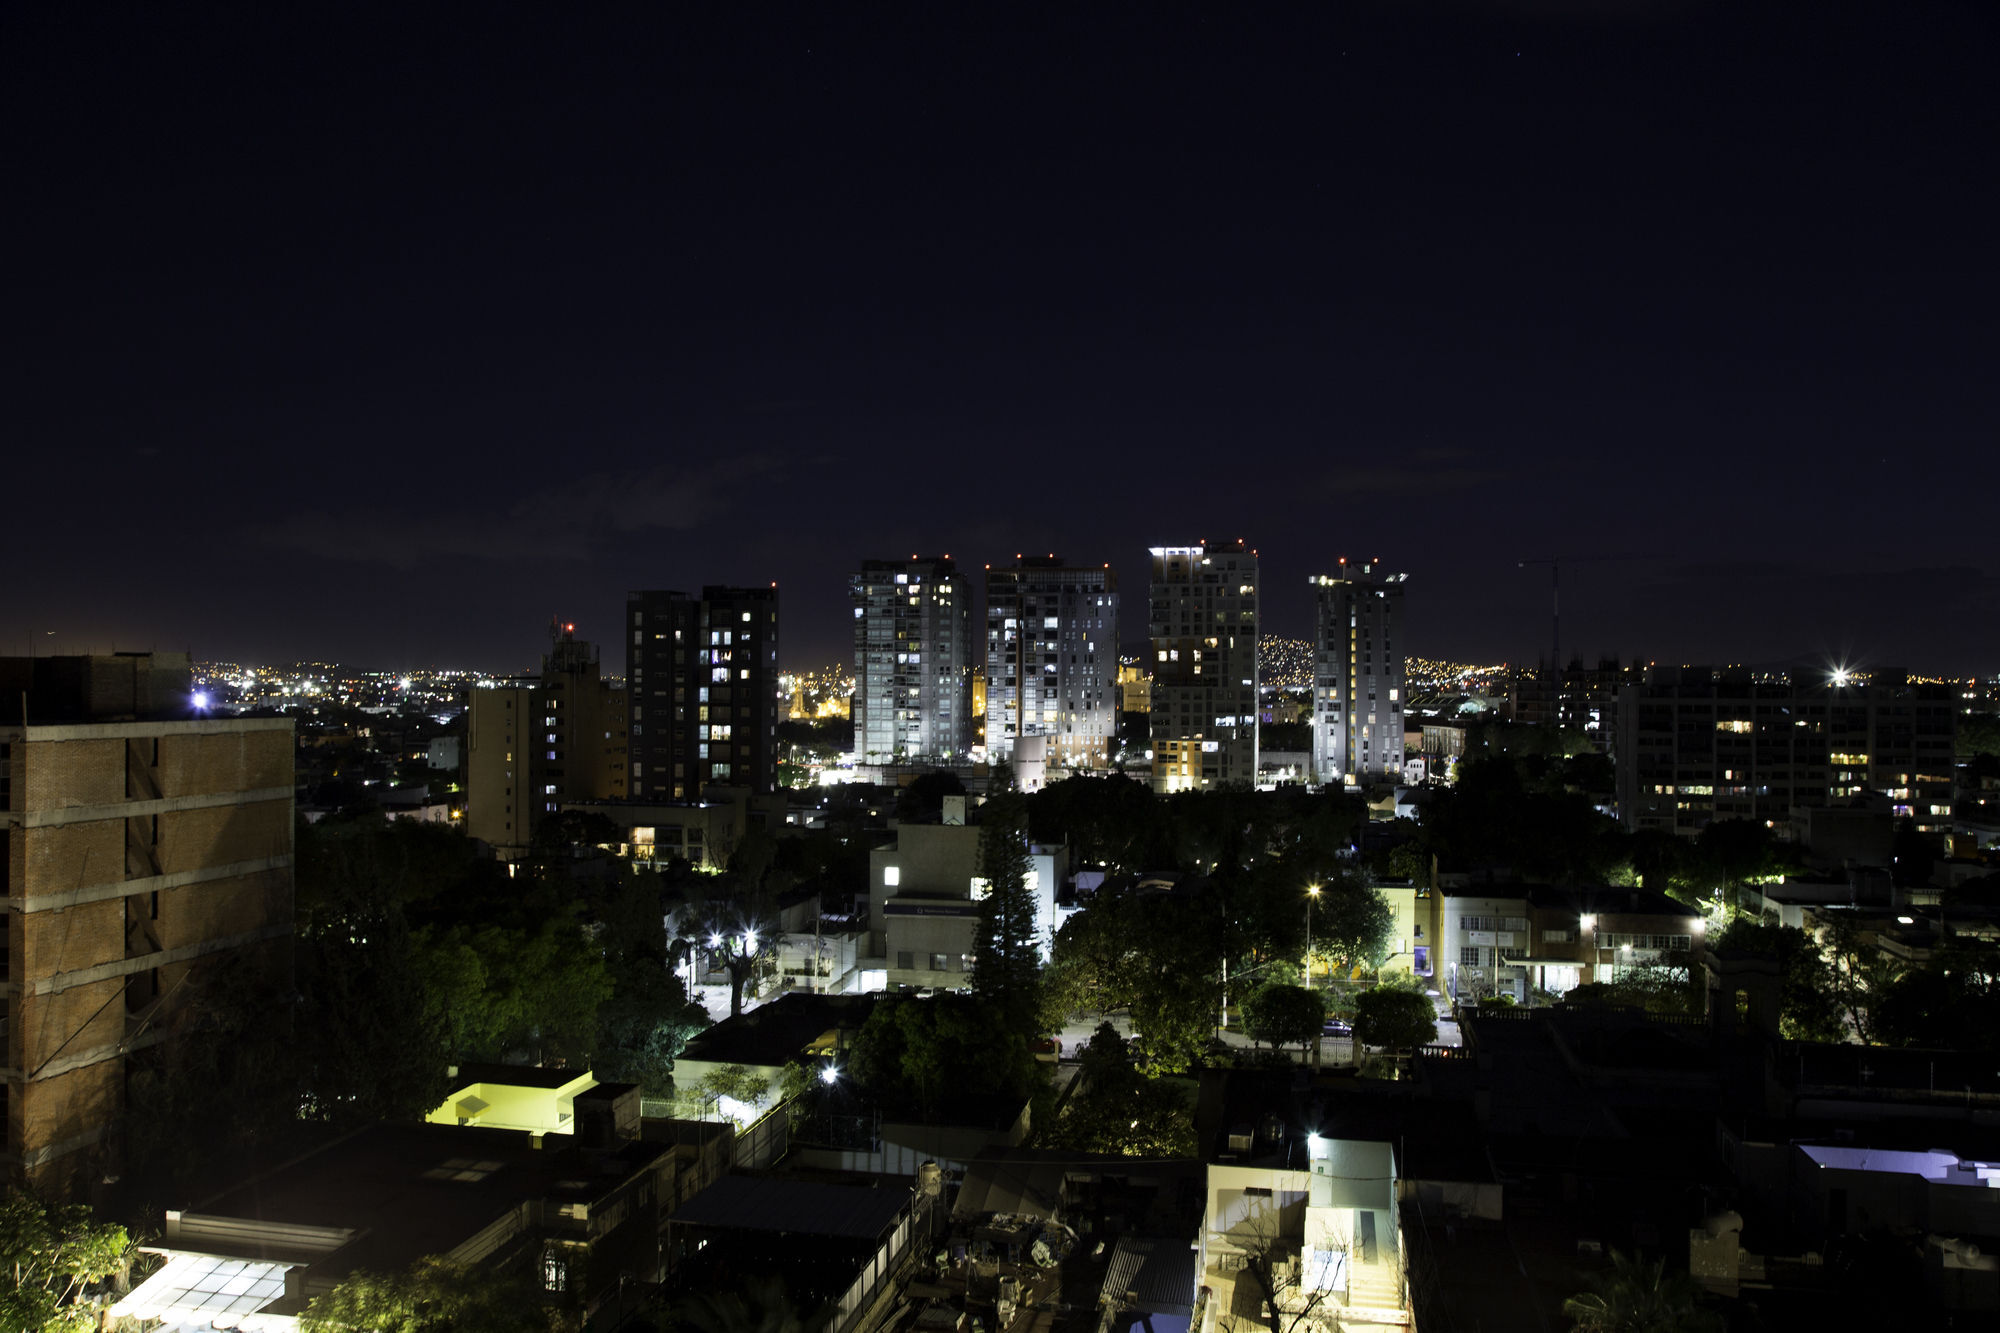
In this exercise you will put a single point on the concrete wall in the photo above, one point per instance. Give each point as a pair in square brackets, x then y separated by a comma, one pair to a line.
[139, 856]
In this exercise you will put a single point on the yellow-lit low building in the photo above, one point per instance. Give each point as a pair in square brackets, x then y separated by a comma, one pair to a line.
[541, 1101]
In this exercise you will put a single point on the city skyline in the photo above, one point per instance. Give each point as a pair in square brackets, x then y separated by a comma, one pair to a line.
[389, 347]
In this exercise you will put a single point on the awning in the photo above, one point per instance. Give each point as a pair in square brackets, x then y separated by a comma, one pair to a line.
[202, 1291]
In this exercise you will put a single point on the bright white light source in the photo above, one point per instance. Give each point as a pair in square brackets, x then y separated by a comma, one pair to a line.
[201, 700]
[830, 1074]
[1841, 675]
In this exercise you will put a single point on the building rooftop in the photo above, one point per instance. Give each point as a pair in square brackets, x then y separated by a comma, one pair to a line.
[515, 1076]
[400, 1192]
[1151, 1274]
[776, 1033]
[786, 1207]
[1939, 1167]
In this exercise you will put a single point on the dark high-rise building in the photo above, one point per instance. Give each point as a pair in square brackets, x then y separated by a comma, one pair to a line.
[1697, 745]
[1052, 660]
[702, 676]
[536, 742]
[1203, 623]
[912, 662]
[1358, 676]
[1581, 698]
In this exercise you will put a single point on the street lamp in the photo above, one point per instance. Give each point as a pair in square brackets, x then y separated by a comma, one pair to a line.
[1312, 896]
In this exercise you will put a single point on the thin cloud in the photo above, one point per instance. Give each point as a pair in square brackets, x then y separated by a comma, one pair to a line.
[565, 524]
[1426, 471]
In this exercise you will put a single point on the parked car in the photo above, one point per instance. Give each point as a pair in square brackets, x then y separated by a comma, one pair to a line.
[1337, 1027]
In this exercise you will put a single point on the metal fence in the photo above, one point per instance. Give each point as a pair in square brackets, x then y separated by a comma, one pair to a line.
[912, 1233]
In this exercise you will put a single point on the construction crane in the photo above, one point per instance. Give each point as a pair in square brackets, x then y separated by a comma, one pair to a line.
[1555, 610]
[1555, 564]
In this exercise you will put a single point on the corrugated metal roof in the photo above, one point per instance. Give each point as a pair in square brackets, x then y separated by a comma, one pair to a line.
[1152, 1274]
[795, 1207]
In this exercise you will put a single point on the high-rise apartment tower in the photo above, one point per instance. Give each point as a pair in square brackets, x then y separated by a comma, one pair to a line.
[912, 661]
[1358, 685]
[1204, 622]
[1052, 660]
[703, 680]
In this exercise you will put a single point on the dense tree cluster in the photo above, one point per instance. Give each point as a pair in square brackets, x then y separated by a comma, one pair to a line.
[942, 1054]
[1115, 1108]
[49, 1254]
[431, 1296]
[411, 954]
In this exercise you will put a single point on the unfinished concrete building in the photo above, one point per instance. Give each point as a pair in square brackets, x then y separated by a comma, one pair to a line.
[144, 846]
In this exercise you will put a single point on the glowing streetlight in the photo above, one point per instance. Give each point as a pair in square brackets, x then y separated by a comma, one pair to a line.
[1312, 896]
[830, 1075]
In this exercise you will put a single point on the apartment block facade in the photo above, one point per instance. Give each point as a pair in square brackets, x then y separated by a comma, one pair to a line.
[1203, 623]
[1697, 745]
[702, 677]
[534, 742]
[1358, 685]
[913, 657]
[146, 850]
[1519, 940]
[1052, 660]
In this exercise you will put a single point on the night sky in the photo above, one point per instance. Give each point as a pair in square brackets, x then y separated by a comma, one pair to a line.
[384, 337]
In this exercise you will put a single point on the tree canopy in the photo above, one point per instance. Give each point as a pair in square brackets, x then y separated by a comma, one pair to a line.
[1808, 997]
[1394, 1018]
[1006, 944]
[1284, 1015]
[1640, 1297]
[932, 1055]
[1115, 1108]
[1352, 925]
[48, 1254]
[1157, 956]
[431, 1296]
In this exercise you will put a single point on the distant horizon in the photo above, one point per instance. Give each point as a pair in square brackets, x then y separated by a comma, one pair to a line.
[1797, 663]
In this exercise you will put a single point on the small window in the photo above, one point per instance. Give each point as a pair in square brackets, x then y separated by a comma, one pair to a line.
[906, 961]
[937, 962]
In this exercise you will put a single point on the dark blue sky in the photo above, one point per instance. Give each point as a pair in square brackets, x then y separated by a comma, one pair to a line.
[385, 337]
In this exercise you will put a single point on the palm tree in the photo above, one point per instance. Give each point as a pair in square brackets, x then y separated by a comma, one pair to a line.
[1638, 1297]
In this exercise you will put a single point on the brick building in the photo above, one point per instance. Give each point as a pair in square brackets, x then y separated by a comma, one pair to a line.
[144, 847]
[536, 742]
